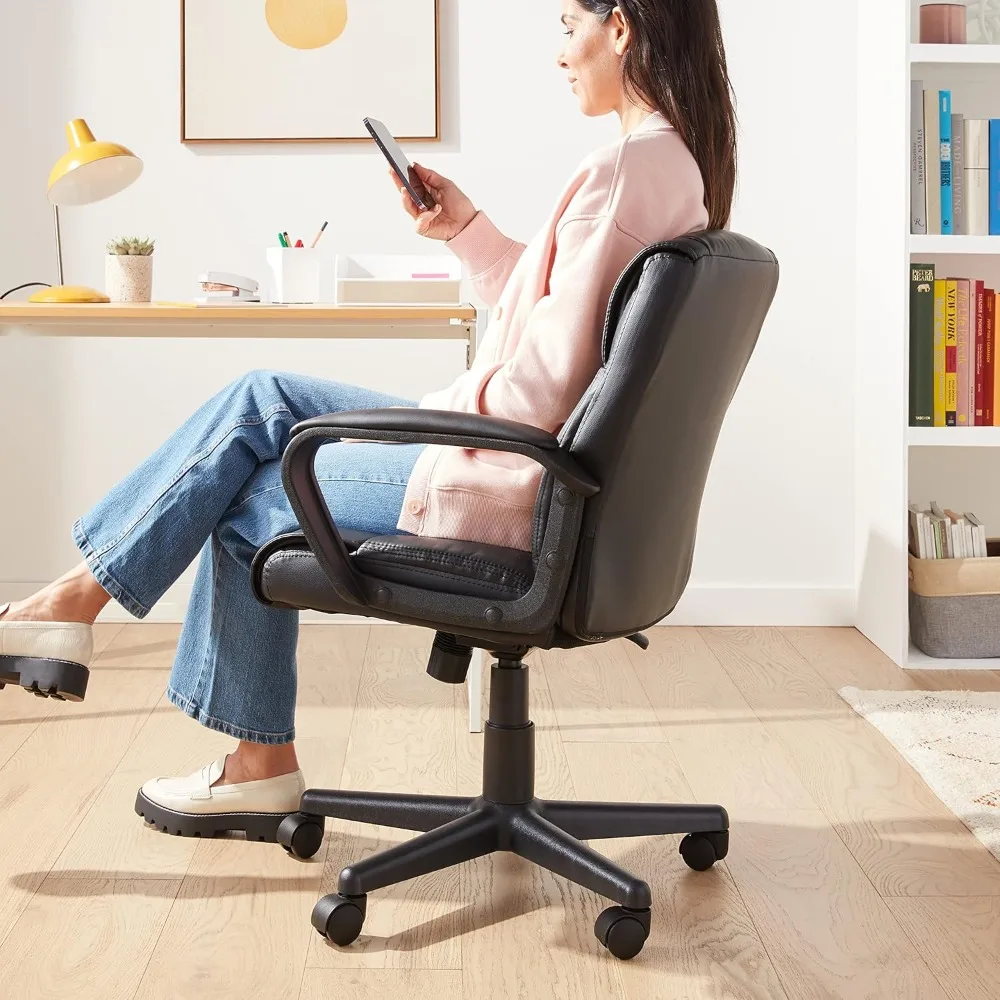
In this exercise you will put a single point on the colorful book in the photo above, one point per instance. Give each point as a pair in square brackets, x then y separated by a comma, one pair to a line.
[940, 321]
[932, 161]
[990, 354]
[918, 190]
[965, 345]
[921, 345]
[951, 352]
[979, 352]
[947, 195]
[958, 223]
[995, 177]
[977, 176]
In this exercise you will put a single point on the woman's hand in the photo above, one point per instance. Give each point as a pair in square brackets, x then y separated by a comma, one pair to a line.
[452, 214]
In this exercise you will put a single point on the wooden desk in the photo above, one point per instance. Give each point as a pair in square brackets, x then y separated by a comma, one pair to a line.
[122, 319]
[458, 322]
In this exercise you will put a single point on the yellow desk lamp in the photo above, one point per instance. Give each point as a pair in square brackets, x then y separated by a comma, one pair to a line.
[89, 171]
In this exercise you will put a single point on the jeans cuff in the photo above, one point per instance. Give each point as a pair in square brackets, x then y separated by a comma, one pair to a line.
[135, 608]
[190, 709]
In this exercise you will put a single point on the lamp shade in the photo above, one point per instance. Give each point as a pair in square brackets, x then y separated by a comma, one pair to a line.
[90, 170]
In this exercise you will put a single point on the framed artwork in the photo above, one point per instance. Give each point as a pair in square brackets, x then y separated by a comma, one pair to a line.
[308, 70]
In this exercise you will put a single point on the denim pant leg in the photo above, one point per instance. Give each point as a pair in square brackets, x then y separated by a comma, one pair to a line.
[235, 665]
[148, 529]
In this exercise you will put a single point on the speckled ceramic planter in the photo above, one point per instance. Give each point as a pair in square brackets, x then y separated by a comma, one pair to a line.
[128, 278]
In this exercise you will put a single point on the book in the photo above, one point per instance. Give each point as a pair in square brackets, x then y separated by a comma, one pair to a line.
[995, 177]
[989, 355]
[965, 339]
[958, 174]
[947, 195]
[977, 176]
[942, 532]
[945, 534]
[921, 345]
[978, 535]
[979, 352]
[918, 190]
[932, 161]
[951, 353]
[938, 367]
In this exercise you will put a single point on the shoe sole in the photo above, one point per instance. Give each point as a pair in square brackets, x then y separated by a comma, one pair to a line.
[60, 679]
[256, 825]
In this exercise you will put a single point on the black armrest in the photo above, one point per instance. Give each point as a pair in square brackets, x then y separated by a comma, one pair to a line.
[406, 425]
[409, 425]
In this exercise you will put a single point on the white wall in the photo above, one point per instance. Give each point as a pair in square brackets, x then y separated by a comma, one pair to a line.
[775, 542]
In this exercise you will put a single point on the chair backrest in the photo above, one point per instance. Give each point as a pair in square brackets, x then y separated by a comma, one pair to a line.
[682, 324]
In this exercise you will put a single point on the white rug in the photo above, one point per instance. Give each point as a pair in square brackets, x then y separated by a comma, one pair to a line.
[952, 739]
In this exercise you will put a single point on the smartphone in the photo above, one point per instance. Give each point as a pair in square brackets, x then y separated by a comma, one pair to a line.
[422, 198]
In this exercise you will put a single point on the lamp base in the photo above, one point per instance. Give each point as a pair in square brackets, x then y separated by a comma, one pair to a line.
[68, 293]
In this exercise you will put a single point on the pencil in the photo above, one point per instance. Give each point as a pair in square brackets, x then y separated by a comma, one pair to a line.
[319, 234]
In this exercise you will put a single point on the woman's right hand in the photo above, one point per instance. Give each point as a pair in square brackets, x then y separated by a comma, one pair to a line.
[452, 213]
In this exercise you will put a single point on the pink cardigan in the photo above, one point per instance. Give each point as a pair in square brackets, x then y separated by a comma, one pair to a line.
[543, 345]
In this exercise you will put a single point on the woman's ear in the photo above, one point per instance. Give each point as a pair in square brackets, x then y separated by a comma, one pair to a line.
[621, 32]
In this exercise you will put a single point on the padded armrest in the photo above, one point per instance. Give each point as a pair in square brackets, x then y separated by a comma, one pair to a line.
[409, 425]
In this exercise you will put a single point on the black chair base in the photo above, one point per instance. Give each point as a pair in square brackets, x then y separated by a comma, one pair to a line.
[507, 817]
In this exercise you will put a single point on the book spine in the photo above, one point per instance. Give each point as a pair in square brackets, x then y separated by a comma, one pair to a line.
[977, 176]
[995, 177]
[951, 353]
[940, 317]
[932, 161]
[921, 345]
[965, 342]
[979, 352]
[958, 223]
[947, 195]
[918, 190]
[989, 355]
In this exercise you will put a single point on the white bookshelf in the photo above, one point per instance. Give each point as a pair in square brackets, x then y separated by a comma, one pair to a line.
[890, 454]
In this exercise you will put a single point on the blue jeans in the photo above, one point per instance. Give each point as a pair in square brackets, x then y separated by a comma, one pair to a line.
[215, 487]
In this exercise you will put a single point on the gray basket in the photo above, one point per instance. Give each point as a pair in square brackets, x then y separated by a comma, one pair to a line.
[966, 626]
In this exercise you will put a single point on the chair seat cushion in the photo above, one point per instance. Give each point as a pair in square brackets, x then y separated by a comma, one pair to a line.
[445, 565]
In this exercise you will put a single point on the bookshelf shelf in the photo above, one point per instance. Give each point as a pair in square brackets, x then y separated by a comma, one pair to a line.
[933, 245]
[954, 437]
[916, 660]
[969, 55]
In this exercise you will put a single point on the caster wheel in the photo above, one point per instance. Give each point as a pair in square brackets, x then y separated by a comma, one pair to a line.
[701, 850]
[340, 918]
[623, 932]
[301, 835]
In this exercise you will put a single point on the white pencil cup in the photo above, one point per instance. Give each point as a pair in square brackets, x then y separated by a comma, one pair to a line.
[294, 274]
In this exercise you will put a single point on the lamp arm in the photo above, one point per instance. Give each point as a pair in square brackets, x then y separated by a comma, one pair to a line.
[59, 255]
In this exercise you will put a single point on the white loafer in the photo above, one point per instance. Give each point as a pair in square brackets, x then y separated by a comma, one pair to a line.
[52, 659]
[191, 807]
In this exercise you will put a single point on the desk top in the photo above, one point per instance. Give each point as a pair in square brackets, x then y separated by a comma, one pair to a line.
[28, 313]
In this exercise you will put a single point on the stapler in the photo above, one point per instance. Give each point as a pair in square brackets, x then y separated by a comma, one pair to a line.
[221, 287]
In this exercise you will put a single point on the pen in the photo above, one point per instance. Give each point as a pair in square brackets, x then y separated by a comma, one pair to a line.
[281, 240]
[320, 233]
[299, 243]
[288, 242]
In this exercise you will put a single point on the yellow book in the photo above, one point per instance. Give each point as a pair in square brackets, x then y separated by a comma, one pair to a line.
[951, 352]
[939, 336]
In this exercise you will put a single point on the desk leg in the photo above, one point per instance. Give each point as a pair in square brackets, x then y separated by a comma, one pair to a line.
[474, 690]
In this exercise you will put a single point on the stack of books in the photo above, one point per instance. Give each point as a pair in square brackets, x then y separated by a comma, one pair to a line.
[954, 378]
[955, 168]
[943, 534]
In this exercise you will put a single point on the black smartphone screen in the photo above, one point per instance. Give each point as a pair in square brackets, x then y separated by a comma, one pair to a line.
[422, 198]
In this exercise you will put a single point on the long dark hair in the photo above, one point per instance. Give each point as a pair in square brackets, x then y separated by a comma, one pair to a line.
[677, 63]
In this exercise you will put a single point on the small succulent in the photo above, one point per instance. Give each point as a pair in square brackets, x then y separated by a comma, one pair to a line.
[130, 246]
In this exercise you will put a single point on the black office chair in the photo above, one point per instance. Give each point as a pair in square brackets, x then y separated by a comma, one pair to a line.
[613, 538]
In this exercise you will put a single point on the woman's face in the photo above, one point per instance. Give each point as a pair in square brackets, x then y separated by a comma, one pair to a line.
[592, 57]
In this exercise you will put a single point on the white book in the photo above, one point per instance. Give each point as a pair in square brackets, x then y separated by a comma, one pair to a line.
[918, 187]
[979, 536]
[977, 176]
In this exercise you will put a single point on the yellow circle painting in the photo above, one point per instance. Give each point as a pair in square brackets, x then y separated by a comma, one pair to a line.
[306, 24]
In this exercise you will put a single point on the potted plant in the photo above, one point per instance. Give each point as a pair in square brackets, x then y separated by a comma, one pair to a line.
[128, 270]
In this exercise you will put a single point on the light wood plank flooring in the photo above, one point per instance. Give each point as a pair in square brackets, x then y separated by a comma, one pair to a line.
[846, 878]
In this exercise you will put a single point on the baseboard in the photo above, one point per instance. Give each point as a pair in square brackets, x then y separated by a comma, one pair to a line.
[701, 605]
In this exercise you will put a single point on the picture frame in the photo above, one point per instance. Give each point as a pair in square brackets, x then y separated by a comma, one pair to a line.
[214, 107]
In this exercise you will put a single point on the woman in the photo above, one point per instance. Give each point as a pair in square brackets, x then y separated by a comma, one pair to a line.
[215, 485]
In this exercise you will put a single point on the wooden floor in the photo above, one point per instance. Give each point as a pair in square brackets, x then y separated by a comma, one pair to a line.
[846, 876]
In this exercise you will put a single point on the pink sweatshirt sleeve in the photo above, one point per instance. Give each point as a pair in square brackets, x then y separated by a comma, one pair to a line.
[488, 255]
[560, 349]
